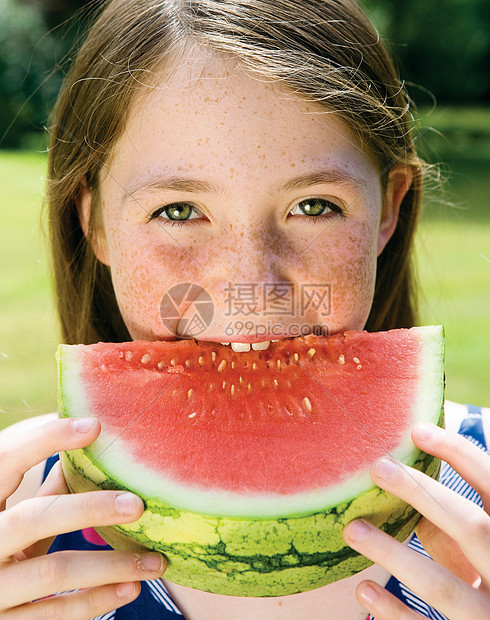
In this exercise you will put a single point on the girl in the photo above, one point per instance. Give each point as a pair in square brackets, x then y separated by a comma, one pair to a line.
[220, 141]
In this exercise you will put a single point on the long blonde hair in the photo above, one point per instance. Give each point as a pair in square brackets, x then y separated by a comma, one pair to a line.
[323, 50]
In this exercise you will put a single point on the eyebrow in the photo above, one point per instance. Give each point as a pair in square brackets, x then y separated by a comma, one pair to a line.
[186, 184]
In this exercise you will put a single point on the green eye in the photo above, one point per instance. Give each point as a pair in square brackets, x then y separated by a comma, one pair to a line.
[312, 206]
[316, 207]
[178, 211]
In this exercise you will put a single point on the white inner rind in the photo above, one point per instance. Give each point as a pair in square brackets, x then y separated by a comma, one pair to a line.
[114, 458]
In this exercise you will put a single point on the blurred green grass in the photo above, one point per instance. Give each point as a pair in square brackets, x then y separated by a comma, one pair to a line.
[28, 332]
[451, 131]
[453, 252]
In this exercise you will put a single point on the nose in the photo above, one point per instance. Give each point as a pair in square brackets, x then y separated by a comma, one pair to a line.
[255, 250]
[255, 265]
[249, 282]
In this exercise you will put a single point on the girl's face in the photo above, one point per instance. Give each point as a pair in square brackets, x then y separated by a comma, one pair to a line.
[266, 201]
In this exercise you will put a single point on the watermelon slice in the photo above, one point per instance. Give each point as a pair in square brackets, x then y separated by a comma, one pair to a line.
[250, 464]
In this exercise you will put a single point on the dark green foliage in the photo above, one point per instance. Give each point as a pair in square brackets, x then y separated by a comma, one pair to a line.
[26, 58]
[441, 45]
[34, 51]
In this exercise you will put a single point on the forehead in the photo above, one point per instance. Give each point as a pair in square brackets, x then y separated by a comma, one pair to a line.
[207, 113]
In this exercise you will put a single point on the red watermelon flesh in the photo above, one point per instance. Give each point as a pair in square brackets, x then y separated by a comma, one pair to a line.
[303, 416]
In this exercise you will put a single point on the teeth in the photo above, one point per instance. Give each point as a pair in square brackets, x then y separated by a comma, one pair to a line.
[240, 347]
[260, 346]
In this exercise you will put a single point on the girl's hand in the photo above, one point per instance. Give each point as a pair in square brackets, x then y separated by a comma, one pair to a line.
[103, 580]
[453, 530]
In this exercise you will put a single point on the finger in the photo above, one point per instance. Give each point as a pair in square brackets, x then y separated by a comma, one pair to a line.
[446, 551]
[21, 449]
[433, 583]
[471, 463]
[70, 570]
[41, 517]
[461, 519]
[77, 605]
[54, 484]
[382, 604]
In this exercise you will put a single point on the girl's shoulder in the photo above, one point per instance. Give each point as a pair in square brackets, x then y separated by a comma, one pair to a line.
[456, 414]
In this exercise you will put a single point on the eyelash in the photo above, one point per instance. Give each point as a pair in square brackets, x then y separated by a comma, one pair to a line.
[334, 210]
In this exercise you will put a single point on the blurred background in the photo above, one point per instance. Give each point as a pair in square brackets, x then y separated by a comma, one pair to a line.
[442, 48]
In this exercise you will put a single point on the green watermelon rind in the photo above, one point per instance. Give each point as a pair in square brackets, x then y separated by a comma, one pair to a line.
[228, 555]
[259, 556]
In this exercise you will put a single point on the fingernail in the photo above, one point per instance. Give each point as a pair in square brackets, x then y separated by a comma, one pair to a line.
[424, 432]
[369, 595]
[125, 590]
[385, 468]
[153, 561]
[84, 425]
[126, 503]
[358, 530]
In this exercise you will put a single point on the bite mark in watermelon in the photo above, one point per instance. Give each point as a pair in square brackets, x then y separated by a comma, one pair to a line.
[250, 464]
